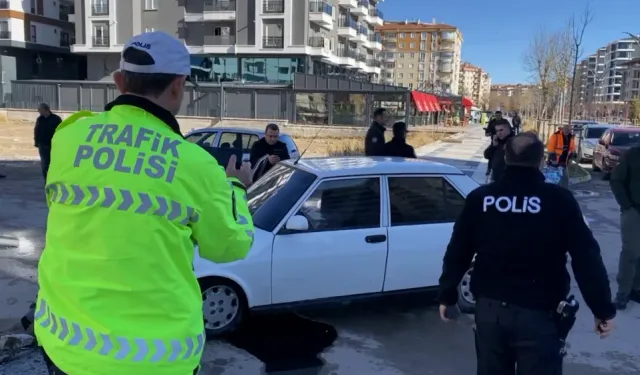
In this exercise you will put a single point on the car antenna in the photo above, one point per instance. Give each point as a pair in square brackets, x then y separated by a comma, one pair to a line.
[309, 145]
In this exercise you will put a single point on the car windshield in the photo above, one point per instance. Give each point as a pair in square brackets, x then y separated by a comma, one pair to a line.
[594, 133]
[625, 139]
[273, 195]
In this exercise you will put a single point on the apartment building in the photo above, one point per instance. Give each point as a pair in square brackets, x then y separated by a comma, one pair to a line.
[631, 80]
[240, 40]
[421, 56]
[601, 74]
[35, 36]
[475, 84]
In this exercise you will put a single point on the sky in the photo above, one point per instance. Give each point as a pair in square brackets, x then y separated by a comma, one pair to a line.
[497, 33]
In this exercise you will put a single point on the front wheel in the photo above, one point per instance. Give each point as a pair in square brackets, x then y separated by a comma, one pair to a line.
[466, 300]
[224, 306]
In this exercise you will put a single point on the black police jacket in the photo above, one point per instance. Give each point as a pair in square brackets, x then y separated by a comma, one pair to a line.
[398, 147]
[45, 129]
[521, 230]
[374, 140]
[495, 156]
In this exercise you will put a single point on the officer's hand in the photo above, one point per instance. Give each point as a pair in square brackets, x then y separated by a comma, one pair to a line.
[273, 159]
[449, 313]
[604, 327]
[244, 174]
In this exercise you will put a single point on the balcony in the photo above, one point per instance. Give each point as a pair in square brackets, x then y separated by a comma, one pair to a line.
[321, 13]
[273, 6]
[445, 68]
[375, 42]
[5, 34]
[214, 11]
[361, 61]
[320, 46]
[448, 37]
[363, 35]
[348, 28]
[447, 47]
[5, 4]
[346, 57]
[100, 9]
[349, 4]
[376, 17]
[273, 42]
[100, 41]
[219, 40]
[362, 10]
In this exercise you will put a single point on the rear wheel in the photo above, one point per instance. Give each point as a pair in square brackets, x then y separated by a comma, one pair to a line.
[466, 300]
[224, 305]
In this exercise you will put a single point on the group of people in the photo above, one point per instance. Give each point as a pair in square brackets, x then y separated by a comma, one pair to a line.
[375, 144]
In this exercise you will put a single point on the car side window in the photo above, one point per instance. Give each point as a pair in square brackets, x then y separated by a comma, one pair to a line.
[238, 140]
[209, 140]
[195, 137]
[423, 200]
[344, 204]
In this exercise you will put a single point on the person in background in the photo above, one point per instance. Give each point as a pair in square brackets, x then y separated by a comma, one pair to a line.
[520, 276]
[46, 126]
[269, 145]
[516, 121]
[374, 140]
[561, 147]
[398, 146]
[495, 152]
[625, 186]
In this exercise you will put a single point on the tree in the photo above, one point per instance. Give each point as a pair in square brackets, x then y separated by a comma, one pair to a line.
[578, 29]
[634, 110]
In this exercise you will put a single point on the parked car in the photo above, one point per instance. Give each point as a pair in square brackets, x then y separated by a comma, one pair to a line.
[588, 139]
[611, 146]
[335, 230]
[577, 125]
[237, 138]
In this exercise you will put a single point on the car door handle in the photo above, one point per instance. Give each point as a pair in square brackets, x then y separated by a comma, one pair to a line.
[375, 238]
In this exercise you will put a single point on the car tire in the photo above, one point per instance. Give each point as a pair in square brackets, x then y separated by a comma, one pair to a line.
[466, 300]
[224, 305]
[594, 167]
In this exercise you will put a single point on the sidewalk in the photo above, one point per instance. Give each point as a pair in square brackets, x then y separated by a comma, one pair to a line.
[463, 151]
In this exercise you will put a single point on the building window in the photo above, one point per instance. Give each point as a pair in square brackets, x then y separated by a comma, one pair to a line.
[99, 7]
[33, 34]
[401, 45]
[400, 75]
[410, 75]
[403, 35]
[4, 30]
[101, 34]
[400, 66]
[413, 35]
[423, 46]
[149, 29]
[413, 55]
[271, 70]
[410, 66]
[411, 86]
[424, 36]
[64, 39]
[150, 4]
[412, 45]
[401, 55]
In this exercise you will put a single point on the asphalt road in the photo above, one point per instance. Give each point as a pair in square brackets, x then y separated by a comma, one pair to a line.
[386, 338]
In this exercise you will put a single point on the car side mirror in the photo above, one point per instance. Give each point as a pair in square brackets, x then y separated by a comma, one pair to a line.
[297, 223]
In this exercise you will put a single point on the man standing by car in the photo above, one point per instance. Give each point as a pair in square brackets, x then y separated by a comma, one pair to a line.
[495, 152]
[516, 121]
[374, 140]
[398, 146]
[520, 277]
[46, 125]
[269, 145]
[625, 186]
[128, 199]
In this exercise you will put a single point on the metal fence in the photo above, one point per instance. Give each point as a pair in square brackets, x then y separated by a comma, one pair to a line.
[309, 100]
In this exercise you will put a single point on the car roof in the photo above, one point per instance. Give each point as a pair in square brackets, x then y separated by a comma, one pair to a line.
[325, 167]
[626, 130]
[232, 130]
[595, 126]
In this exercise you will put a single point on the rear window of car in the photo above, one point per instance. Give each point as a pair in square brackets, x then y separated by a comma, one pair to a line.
[274, 194]
[625, 138]
[595, 132]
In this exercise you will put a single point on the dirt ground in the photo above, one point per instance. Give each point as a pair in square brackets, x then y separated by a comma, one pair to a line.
[16, 142]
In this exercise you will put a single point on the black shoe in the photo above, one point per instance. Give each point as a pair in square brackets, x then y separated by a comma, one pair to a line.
[621, 301]
[635, 296]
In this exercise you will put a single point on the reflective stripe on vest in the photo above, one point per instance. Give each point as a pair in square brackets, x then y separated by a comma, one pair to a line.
[117, 347]
[122, 200]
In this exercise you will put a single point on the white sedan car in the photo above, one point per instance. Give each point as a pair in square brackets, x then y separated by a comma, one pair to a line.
[336, 229]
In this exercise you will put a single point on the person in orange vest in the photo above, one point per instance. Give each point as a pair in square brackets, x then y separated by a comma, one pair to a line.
[562, 146]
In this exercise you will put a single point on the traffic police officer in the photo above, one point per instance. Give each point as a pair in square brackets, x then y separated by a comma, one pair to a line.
[520, 274]
[128, 198]
[374, 140]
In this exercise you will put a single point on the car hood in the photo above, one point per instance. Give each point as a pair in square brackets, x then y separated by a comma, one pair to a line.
[262, 241]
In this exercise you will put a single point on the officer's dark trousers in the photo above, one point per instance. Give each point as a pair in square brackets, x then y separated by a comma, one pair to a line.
[45, 159]
[508, 337]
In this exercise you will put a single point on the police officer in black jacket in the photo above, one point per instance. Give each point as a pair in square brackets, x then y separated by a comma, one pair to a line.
[398, 146]
[520, 273]
[43, 132]
[374, 141]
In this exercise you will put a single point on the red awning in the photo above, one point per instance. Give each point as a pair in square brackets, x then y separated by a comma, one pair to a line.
[467, 102]
[434, 103]
[418, 100]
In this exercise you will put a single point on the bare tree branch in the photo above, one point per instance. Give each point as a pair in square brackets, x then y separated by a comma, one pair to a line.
[578, 30]
[635, 37]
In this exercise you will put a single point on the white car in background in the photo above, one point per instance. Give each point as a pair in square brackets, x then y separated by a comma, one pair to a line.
[588, 139]
[338, 229]
[243, 138]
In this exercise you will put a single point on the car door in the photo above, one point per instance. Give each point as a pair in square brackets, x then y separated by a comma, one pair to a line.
[601, 148]
[422, 211]
[343, 252]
